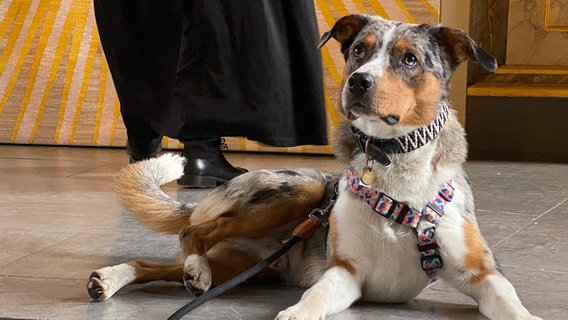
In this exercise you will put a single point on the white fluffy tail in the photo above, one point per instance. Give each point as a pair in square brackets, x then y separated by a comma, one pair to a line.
[138, 186]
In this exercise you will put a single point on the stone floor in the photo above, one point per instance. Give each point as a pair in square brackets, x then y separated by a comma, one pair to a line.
[59, 220]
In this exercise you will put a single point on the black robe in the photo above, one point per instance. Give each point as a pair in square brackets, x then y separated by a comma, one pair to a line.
[202, 69]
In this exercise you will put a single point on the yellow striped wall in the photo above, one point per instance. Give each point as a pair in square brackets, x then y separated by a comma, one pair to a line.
[56, 88]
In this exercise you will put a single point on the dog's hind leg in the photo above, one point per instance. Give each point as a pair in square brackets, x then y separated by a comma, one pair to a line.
[209, 260]
[105, 282]
[224, 261]
[243, 220]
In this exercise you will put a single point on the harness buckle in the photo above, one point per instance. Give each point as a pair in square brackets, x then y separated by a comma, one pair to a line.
[431, 262]
[436, 208]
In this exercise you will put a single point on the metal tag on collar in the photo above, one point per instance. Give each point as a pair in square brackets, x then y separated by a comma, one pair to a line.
[368, 174]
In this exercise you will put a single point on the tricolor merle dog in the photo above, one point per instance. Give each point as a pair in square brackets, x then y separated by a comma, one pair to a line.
[404, 214]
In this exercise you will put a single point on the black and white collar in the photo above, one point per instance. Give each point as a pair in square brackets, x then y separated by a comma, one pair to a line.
[379, 149]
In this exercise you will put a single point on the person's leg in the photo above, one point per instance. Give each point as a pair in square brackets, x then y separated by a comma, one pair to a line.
[234, 82]
[206, 165]
[143, 142]
[141, 41]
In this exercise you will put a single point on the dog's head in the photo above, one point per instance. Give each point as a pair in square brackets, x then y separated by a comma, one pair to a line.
[397, 74]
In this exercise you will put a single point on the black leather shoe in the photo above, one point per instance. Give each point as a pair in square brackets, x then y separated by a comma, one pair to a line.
[206, 173]
[206, 166]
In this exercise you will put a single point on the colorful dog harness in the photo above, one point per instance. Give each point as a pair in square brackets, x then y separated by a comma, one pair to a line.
[401, 213]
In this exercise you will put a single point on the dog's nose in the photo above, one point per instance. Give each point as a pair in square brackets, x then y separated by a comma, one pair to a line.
[360, 82]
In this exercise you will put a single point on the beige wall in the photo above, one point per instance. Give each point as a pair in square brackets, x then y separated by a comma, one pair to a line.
[538, 33]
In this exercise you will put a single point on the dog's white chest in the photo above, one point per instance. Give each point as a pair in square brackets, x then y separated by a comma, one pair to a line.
[383, 253]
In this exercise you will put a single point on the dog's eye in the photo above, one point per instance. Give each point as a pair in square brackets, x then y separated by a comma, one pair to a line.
[358, 51]
[410, 60]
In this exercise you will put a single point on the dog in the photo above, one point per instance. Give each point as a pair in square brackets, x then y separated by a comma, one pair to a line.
[404, 214]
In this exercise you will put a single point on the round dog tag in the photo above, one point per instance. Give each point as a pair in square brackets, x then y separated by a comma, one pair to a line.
[368, 176]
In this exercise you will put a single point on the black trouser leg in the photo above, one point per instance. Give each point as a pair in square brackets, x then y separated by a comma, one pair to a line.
[141, 40]
[143, 142]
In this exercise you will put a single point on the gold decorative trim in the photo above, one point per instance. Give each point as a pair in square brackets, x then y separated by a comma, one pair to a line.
[487, 36]
[492, 90]
[547, 24]
[526, 69]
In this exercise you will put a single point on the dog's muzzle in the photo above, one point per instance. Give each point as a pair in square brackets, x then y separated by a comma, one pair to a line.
[358, 84]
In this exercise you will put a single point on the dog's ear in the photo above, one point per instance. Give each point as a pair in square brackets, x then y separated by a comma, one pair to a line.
[460, 47]
[345, 30]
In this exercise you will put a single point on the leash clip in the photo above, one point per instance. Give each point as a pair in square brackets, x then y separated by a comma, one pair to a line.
[318, 217]
[321, 214]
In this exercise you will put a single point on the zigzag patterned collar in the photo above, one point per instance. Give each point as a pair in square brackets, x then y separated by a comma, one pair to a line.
[378, 149]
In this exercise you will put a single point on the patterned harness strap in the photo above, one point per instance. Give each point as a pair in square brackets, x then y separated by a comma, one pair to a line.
[401, 213]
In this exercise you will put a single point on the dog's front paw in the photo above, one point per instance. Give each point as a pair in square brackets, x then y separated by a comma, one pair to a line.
[301, 313]
[197, 274]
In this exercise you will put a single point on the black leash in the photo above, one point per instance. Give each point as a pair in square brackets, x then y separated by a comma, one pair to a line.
[230, 284]
[317, 218]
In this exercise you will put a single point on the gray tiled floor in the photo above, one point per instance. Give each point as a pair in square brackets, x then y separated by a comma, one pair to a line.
[59, 221]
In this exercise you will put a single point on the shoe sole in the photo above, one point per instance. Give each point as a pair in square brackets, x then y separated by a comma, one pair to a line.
[200, 182]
